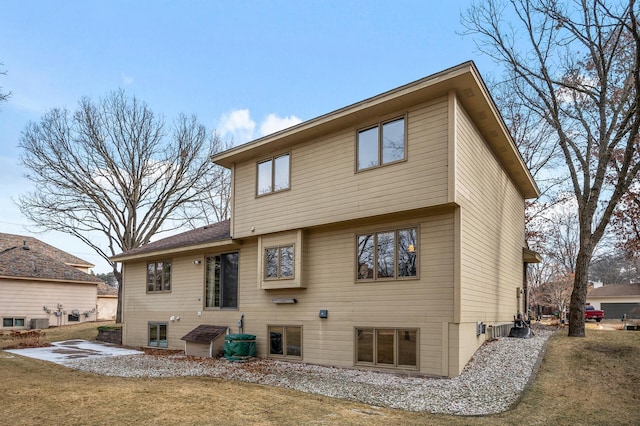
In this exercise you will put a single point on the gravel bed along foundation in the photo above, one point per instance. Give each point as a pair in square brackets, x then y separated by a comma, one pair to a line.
[490, 383]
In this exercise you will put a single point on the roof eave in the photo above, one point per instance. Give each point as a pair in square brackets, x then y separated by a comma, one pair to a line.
[464, 79]
[81, 265]
[54, 280]
[172, 251]
[530, 256]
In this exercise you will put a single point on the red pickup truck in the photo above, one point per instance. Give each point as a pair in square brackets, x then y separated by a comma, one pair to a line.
[591, 312]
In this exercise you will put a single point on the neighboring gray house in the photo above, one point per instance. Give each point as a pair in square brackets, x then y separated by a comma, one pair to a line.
[616, 300]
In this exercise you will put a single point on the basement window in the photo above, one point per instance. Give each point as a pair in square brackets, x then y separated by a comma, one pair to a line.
[387, 347]
[158, 334]
[285, 341]
[13, 322]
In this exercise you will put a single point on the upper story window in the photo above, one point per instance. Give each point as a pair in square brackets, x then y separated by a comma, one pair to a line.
[159, 277]
[381, 144]
[273, 174]
[387, 255]
[278, 262]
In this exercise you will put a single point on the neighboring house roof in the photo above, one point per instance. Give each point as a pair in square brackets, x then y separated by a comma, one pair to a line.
[464, 79]
[8, 241]
[204, 333]
[106, 290]
[26, 262]
[196, 238]
[615, 290]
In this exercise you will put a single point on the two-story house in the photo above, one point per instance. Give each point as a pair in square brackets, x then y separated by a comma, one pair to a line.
[387, 234]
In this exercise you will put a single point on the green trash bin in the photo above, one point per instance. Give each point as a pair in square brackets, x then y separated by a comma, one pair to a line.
[239, 347]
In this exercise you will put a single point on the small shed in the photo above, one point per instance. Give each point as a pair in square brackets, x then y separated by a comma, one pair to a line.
[205, 340]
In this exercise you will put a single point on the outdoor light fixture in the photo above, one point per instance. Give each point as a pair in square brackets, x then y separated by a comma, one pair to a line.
[284, 300]
[197, 262]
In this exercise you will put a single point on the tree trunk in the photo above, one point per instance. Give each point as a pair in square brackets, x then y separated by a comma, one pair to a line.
[579, 294]
[118, 276]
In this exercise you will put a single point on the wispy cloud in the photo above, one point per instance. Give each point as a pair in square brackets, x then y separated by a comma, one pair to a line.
[29, 104]
[272, 123]
[240, 127]
[127, 80]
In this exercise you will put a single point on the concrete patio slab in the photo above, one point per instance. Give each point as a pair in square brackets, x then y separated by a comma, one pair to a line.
[71, 350]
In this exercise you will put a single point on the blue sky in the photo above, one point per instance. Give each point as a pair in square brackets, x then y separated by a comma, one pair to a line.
[244, 68]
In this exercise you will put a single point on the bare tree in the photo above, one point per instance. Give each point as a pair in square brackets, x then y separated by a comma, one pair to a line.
[112, 171]
[562, 244]
[576, 65]
[214, 203]
[534, 138]
[551, 280]
[626, 223]
[557, 293]
[613, 268]
[4, 96]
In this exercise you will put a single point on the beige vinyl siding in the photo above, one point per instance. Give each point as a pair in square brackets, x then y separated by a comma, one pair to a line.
[107, 308]
[463, 342]
[26, 299]
[492, 230]
[325, 187]
[329, 265]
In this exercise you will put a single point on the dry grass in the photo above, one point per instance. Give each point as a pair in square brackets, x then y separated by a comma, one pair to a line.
[590, 381]
[36, 338]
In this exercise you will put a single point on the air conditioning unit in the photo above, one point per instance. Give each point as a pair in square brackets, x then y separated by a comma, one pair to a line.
[39, 323]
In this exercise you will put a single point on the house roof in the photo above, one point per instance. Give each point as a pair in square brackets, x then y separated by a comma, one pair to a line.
[105, 289]
[463, 79]
[204, 333]
[25, 262]
[615, 290]
[8, 241]
[203, 237]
